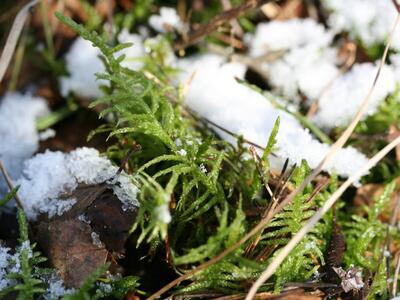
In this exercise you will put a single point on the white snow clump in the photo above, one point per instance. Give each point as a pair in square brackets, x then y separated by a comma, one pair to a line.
[371, 21]
[307, 64]
[167, 20]
[215, 94]
[50, 175]
[340, 103]
[19, 139]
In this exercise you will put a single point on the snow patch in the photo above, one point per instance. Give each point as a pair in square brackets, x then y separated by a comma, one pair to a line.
[167, 20]
[371, 21]
[340, 103]
[19, 139]
[83, 62]
[49, 176]
[215, 94]
[307, 64]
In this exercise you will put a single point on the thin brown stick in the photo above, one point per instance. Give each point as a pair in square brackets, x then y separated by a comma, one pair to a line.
[397, 5]
[226, 16]
[13, 36]
[10, 184]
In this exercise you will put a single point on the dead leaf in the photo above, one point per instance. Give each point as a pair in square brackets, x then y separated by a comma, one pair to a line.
[92, 232]
[351, 279]
[69, 246]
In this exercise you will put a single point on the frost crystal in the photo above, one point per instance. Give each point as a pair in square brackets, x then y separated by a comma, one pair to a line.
[167, 20]
[182, 152]
[370, 21]
[5, 264]
[49, 176]
[96, 240]
[338, 106]
[83, 63]
[19, 139]
[307, 64]
[244, 111]
[56, 288]
[10, 263]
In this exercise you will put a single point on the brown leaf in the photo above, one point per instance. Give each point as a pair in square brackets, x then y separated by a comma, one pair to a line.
[110, 221]
[77, 246]
[69, 246]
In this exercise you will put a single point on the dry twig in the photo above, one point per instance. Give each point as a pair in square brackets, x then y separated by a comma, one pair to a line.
[13, 36]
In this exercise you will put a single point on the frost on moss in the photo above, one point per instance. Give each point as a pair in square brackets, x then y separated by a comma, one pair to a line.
[49, 176]
[215, 94]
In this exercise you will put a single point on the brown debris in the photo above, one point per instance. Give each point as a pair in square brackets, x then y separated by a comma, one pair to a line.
[367, 193]
[94, 231]
[351, 279]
